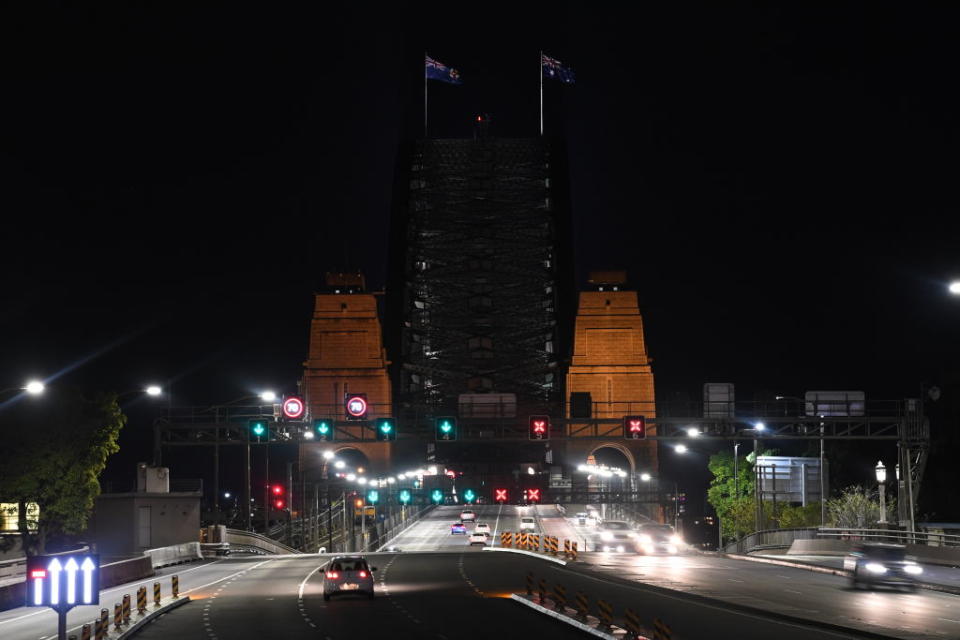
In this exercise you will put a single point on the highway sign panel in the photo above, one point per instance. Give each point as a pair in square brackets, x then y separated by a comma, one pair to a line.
[63, 581]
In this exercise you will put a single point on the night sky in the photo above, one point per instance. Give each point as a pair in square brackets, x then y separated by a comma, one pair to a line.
[780, 183]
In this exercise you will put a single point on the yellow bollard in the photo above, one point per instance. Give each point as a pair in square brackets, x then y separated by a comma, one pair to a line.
[176, 586]
[126, 608]
[117, 616]
[142, 600]
[660, 630]
[85, 632]
[156, 594]
[605, 613]
[632, 621]
[583, 606]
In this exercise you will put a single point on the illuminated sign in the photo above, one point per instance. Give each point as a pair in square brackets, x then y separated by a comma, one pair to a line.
[293, 407]
[63, 581]
[634, 427]
[500, 495]
[356, 405]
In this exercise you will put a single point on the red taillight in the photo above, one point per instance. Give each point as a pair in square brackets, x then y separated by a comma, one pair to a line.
[333, 575]
[363, 574]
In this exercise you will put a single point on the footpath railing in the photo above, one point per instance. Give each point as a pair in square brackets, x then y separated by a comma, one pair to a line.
[783, 538]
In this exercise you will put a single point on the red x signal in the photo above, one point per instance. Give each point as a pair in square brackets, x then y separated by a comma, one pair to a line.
[533, 495]
[634, 427]
[500, 495]
[539, 427]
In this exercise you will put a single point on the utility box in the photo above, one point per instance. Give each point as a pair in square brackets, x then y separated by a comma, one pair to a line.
[835, 403]
[152, 479]
[718, 400]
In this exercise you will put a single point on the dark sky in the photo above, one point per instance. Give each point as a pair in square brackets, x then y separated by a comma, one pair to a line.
[780, 183]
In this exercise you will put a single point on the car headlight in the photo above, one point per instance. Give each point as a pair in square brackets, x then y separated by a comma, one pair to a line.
[676, 540]
[645, 539]
[913, 569]
[875, 567]
[606, 536]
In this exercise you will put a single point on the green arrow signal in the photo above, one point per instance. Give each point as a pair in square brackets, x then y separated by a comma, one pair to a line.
[405, 496]
[437, 495]
[446, 426]
[469, 495]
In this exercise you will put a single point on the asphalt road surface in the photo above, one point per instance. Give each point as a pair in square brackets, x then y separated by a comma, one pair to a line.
[440, 587]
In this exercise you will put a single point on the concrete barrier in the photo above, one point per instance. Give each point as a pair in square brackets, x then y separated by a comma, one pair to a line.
[949, 556]
[174, 554]
[125, 571]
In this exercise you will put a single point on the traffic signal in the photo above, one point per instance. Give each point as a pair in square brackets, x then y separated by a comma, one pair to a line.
[405, 496]
[277, 491]
[437, 496]
[258, 428]
[500, 495]
[373, 496]
[355, 405]
[386, 430]
[323, 430]
[531, 495]
[446, 428]
[634, 427]
[539, 428]
[469, 496]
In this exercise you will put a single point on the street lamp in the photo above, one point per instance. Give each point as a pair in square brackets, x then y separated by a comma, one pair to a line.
[680, 448]
[954, 287]
[693, 432]
[881, 479]
[34, 387]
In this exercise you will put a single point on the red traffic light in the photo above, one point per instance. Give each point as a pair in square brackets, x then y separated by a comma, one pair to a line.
[634, 427]
[500, 495]
[277, 489]
[279, 504]
[539, 427]
[532, 495]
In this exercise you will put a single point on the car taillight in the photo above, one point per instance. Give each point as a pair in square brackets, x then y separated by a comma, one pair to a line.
[333, 574]
[363, 574]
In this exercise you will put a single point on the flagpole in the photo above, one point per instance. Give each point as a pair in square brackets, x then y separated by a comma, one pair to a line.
[541, 92]
[425, 111]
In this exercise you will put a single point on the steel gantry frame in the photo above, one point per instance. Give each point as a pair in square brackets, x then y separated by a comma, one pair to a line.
[480, 284]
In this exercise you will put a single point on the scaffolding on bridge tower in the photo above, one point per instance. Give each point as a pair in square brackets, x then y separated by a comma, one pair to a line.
[483, 223]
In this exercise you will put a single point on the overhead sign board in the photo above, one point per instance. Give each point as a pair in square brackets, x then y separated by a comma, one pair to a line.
[63, 581]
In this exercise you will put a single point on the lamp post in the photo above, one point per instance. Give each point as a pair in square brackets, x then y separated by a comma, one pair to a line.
[881, 479]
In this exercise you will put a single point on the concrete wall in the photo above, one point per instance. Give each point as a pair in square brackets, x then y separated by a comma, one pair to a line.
[174, 519]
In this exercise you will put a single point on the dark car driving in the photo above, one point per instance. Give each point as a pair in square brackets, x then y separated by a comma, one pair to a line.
[874, 564]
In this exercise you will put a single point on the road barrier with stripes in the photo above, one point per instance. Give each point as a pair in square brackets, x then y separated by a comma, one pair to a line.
[156, 594]
[126, 608]
[176, 586]
[104, 623]
[543, 590]
[632, 621]
[583, 606]
[117, 616]
[99, 632]
[559, 598]
[85, 632]
[605, 613]
[506, 539]
[141, 600]
[661, 631]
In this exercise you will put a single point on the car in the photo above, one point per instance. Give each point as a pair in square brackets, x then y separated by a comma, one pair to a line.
[391, 549]
[348, 575]
[458, 528]
[482, 527]
[478, 538]
[874, 563]
[468, 516]
[616, 535]
[527, 522]
[659, 538]
[582, 517]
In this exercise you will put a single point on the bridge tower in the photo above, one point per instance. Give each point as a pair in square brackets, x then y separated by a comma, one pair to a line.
[346, 356]
[610, 375]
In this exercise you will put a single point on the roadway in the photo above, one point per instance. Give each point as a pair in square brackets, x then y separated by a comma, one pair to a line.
[440, 587]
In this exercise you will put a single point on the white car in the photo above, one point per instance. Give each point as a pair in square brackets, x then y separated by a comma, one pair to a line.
[482, 527]
[527, 523]
[478, 538]
[348, 575]
[468, 516]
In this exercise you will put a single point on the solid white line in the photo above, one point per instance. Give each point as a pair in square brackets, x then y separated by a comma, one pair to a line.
[497, 524]
[304, 583]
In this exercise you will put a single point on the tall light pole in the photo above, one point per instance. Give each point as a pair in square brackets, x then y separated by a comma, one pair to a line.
[881, 479]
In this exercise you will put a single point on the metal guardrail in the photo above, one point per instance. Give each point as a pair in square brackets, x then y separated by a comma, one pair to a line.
[895, 536]
[16, 568]
[250, 539]
[783, 538]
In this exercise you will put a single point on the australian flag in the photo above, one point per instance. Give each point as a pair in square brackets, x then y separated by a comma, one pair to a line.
[553, 69]
[439, 71]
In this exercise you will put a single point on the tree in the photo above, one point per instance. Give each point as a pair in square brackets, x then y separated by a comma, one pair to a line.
[732, 499]
[53, 454]
[858, 508]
